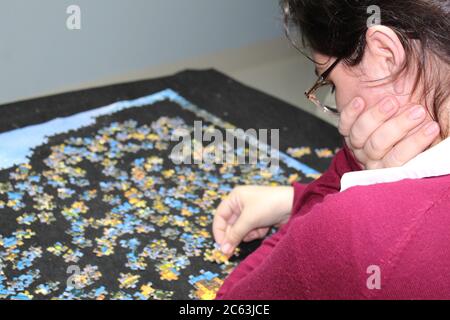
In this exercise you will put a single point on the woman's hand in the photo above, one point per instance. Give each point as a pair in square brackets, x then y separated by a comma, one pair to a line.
[386, 135]
[248, 213]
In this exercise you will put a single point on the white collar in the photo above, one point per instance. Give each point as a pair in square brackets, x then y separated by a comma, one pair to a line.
[432, 163]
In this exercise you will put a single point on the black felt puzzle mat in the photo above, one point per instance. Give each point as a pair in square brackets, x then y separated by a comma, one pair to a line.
[102, 213]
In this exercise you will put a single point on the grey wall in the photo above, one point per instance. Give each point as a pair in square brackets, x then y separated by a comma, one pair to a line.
[38, 54]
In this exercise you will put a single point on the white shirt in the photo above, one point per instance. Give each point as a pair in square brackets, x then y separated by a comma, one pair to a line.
[432, 163]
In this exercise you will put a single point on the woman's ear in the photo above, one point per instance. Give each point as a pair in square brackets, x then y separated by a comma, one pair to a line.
[385, 56]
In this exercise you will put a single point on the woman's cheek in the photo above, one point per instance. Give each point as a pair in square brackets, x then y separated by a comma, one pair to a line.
[345, 97]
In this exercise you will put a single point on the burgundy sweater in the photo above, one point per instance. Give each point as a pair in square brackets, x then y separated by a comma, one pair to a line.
[382, 241]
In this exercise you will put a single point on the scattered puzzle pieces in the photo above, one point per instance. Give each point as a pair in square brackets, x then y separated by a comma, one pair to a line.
[104, 213]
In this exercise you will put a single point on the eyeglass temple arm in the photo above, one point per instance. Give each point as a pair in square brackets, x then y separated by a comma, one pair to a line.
[323, 77]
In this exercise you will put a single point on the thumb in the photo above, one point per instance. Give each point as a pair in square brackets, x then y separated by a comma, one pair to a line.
[234, 235]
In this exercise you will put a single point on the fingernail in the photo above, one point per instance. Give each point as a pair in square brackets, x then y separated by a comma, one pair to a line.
[417, 113]
[226, 248]
[357, 104]
[388, 106]
[432, 129]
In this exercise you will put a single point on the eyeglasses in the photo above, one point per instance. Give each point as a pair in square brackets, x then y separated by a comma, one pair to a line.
[322, 89]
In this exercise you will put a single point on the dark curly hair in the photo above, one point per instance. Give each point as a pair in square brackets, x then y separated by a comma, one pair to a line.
[337, 28]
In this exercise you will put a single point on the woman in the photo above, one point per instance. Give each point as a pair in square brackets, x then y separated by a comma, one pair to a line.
[380, 233]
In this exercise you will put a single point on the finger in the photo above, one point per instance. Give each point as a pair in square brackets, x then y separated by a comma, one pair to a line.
[370, 120]
[235, 233]
[393, 131]
[252, 235]
[413, 145]
[224, 212]
[349, 115]
[359, 155]
[256, 234]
